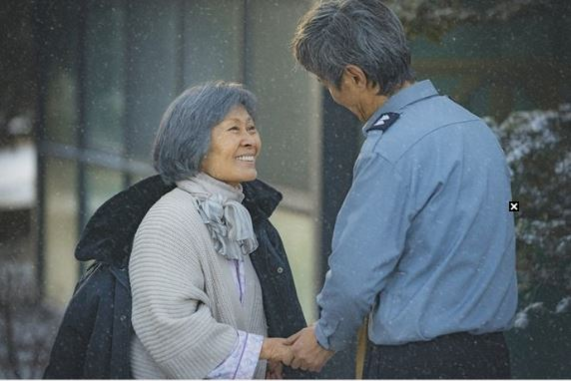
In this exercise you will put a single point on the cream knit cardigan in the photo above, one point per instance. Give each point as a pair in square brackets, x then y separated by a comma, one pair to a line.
[186, 309]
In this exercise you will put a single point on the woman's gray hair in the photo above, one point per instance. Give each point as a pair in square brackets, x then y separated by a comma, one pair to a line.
[364, 33]
[183, 137]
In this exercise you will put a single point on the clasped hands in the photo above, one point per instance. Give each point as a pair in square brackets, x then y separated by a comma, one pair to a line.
[299, 351]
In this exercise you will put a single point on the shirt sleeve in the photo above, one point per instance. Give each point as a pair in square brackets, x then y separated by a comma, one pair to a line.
[368, 240]
[242, 362]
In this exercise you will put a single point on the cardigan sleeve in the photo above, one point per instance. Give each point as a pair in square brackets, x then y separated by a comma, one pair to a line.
[242, 362]
[171, 311]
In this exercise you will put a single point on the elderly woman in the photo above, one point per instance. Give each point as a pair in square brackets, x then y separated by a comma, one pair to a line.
[212, 291]
[198, 310]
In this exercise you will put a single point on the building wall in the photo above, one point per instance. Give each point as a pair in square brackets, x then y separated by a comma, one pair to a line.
[111, 69]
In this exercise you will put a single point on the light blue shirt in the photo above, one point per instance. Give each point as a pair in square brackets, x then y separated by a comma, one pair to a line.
[424, 241]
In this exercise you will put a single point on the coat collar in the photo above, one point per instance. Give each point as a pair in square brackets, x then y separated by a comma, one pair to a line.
[108, 235]
[260, 199]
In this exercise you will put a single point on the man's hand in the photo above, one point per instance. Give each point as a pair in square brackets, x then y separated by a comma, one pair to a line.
[307, 353]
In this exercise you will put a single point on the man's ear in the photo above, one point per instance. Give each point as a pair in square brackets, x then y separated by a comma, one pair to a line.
[355, 75]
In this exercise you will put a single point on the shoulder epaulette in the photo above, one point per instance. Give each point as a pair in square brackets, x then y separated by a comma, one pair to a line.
[384, 121]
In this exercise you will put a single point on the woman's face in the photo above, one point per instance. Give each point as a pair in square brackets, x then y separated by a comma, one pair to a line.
[234, 147]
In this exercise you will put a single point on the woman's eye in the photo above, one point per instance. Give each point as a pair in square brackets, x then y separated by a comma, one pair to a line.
[234, 128]
[252, 128]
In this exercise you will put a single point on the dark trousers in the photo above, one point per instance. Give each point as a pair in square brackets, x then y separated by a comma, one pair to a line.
[454, 356]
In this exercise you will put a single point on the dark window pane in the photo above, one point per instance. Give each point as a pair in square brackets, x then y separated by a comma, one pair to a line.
[101, 184]
[60, 47]
[104, 82]
[213, 41]
[152, 73]
[290, 101]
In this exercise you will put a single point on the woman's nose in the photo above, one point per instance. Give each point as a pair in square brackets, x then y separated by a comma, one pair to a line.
[248, 140]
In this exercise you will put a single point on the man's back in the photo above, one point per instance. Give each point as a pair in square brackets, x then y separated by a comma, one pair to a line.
[456, 269]
[428, 212]
[424, 239]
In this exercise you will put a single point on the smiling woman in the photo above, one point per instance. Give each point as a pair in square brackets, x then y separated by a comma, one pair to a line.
[235, 144]
[212, 290]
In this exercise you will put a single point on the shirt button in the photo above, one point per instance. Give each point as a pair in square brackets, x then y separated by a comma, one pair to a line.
[280, 270]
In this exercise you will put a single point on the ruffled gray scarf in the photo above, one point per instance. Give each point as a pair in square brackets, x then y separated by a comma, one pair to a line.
[227, 220]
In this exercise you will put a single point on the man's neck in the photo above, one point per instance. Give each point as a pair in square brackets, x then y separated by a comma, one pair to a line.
[371, 104]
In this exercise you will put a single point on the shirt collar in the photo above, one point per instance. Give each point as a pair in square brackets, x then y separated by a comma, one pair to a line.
[412, 94]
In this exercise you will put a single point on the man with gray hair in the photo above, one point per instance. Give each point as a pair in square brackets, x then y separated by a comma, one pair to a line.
[424, 242]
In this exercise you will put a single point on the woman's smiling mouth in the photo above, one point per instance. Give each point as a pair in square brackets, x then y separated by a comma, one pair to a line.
[246, 158]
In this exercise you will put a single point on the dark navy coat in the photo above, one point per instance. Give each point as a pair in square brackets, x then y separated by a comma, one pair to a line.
[95, 335]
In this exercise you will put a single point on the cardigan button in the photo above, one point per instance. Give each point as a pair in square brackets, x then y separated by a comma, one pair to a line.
[280, 270]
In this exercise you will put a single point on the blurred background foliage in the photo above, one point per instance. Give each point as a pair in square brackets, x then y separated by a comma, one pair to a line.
[538, 149]
[434, 18]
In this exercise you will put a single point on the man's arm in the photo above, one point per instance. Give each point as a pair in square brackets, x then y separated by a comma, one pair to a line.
[368, 242]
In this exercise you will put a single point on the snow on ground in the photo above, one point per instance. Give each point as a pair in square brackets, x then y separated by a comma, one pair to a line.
[18, 177]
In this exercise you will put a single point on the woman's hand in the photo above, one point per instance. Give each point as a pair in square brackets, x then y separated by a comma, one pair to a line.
[276, 349]
[274, 371]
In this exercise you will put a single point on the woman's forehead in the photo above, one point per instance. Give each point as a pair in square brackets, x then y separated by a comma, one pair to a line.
[239, 113]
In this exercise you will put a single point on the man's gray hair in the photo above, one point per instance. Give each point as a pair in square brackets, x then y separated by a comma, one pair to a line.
[364, 33]
[184, 134]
